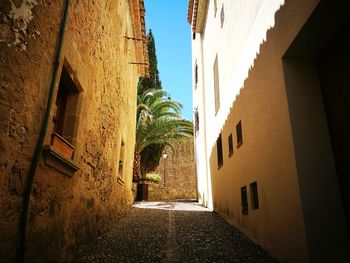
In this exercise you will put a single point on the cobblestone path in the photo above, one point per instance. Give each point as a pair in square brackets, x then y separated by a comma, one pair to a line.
[172, 232]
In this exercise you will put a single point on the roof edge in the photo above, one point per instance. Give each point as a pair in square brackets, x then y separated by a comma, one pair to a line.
[190, 11]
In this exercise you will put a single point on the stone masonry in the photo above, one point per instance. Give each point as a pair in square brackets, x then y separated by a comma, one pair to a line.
[66, 209]
[178, 174]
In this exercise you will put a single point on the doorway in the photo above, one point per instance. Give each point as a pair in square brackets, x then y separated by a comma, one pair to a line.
[317, 75]
[334, 72]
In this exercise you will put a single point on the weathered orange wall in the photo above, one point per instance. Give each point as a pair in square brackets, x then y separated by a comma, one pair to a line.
[66, 212]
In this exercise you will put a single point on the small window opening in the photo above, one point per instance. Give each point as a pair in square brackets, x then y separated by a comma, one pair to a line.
[244, 200]
[239, 134]
[65, 102]
[194, 35]
[254, 199]
[219, 151]
[196, 120]
[64, 129]
[230, 145]
[222, 15]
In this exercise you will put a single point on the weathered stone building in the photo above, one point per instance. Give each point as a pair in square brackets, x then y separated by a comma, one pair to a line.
[178, 173]
[83, 180]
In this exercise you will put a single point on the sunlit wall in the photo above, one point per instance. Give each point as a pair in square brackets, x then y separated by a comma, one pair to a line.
[233, 35]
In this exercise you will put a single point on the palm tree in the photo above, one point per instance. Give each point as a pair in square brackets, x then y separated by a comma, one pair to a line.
[158, 123]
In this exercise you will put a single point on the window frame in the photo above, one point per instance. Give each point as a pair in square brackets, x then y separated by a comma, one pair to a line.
[230, 145]
[239, 134]
[59, 152]
[65, 113]
[254, 196]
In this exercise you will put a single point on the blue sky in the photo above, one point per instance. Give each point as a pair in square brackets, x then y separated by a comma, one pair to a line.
[168, 21]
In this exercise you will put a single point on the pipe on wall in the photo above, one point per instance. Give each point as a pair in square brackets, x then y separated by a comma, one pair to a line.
[38, 149]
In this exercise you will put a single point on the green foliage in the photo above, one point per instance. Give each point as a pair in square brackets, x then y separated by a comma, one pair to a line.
[158, 123]
[153, 177]
[153, 82]
[154, 73]
[158, 118]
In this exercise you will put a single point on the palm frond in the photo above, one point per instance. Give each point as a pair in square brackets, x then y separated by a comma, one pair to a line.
[159, 123]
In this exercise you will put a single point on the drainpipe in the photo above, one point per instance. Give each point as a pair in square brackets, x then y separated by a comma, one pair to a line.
[37, 153]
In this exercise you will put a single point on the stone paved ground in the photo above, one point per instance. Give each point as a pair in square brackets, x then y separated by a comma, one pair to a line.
[172, 232]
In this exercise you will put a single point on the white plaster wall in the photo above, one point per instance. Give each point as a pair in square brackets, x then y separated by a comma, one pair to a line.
[236, 43]
[202, 160]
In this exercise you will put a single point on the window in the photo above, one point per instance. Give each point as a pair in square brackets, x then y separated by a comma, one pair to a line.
[222, 15]
[196, 74]
[65, 116]
[194, 35]
[59, 154]
[215, 7]
[244, 200]
[254, 199]
[230, 145]
[216, 85]
[66, 106]
[239, 134]
[219, 151]
[196, 120]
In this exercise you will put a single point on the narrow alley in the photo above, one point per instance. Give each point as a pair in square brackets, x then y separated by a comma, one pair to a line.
[174, 131]
[180, 231]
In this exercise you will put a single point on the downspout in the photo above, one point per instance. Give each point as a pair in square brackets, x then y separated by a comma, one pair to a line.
[37, 153]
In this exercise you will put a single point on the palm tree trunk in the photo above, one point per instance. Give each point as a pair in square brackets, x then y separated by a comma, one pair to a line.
[137, 167]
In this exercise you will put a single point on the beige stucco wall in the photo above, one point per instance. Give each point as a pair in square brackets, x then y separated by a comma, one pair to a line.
[235, 44]
[267, 156]
[65, 212]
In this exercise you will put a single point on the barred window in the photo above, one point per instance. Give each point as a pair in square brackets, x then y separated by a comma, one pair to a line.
[219, 151]
[230, 145]
[196, 120]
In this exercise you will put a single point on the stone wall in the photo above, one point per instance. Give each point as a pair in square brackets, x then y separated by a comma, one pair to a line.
[66, 211]
[178, 174]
